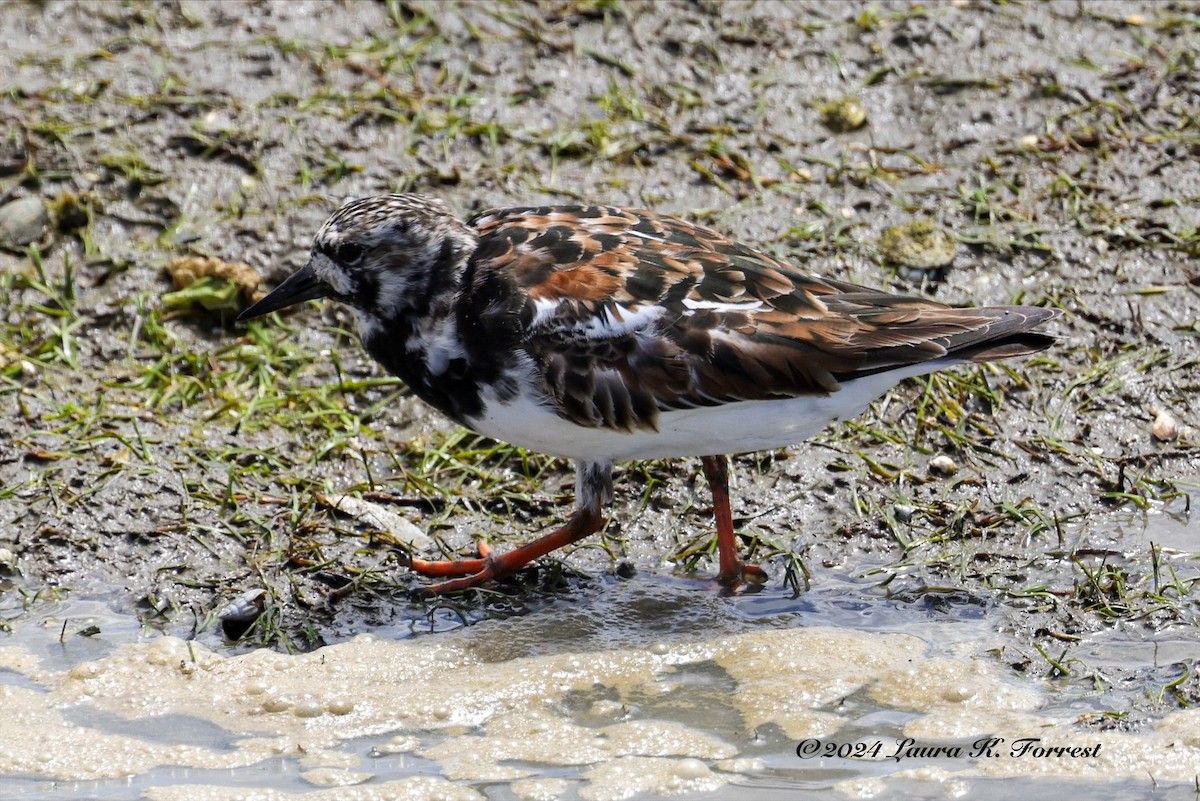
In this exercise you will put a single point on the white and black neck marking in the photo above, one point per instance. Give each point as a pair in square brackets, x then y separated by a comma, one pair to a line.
[424, 310]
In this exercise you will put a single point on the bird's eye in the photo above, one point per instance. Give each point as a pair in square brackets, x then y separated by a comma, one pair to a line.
[349, 253]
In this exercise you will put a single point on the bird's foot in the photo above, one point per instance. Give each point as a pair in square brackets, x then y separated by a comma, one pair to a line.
[741, 577]
[473, 571]
[491, 565]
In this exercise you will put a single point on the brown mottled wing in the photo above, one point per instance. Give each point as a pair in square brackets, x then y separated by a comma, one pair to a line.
[634, 313]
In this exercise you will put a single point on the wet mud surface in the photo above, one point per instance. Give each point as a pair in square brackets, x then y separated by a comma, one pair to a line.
[159, 460]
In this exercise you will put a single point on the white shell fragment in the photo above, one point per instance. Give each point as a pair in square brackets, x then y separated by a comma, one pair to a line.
[380, 517]
[245, 607]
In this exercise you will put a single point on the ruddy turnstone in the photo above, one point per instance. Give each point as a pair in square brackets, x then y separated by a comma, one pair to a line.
[599, 334]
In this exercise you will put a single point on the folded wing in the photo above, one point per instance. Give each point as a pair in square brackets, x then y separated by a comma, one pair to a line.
[633, 313]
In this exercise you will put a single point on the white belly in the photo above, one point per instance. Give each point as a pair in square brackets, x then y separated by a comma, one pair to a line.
[730, 428]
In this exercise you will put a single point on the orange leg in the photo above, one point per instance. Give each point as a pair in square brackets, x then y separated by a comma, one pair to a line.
[732, 571]
[491, 565]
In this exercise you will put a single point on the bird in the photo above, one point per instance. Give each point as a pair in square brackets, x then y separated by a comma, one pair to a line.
[603, 334]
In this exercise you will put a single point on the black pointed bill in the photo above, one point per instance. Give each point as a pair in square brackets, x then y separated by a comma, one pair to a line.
[300, 286]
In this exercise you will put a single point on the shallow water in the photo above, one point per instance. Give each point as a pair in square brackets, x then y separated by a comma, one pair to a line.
[648, 687]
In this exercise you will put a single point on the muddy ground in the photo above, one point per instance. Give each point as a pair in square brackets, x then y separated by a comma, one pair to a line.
[160, 457]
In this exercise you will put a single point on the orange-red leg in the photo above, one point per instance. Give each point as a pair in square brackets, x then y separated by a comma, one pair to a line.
[731, 571]
[491, 565]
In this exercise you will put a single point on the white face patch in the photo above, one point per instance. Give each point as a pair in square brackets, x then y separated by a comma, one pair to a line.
[331, 273]
[392, 289]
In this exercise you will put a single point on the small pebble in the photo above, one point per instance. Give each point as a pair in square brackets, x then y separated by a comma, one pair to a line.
[23, 221]
[943, 465]
[1165, 428]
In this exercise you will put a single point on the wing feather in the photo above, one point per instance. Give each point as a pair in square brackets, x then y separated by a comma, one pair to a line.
[637, 313]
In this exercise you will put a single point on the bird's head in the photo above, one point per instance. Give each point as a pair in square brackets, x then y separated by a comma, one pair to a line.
[382, 255]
